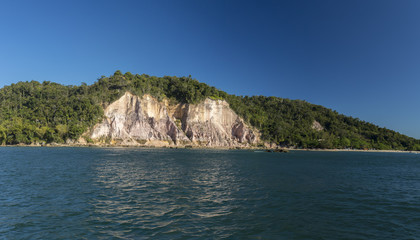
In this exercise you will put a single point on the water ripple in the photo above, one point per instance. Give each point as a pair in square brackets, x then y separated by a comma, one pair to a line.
[82, 193]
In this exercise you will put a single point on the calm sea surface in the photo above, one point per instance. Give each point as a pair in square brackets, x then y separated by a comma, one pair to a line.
[127, 193]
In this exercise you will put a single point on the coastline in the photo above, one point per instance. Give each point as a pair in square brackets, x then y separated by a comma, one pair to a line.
[53, 145]
[358, 150]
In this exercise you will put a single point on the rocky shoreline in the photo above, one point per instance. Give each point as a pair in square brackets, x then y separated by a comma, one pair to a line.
[359, 150]
[256, 148]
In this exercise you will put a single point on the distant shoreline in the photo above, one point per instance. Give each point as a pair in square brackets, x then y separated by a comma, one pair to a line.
[54, 145]
[356, 150]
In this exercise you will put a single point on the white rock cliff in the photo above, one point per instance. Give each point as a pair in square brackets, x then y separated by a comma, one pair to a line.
[132, 120]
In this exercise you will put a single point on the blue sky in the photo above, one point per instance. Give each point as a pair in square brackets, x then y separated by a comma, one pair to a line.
[361, 58]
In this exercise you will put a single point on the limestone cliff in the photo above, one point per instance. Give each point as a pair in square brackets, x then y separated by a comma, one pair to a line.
[132, 120]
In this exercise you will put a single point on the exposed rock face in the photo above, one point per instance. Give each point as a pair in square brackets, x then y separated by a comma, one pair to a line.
[132, 120]
[317, 126]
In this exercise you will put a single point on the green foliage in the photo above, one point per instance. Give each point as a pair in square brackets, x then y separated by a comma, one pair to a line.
[49, 112]
[289, 123]
[183, 89]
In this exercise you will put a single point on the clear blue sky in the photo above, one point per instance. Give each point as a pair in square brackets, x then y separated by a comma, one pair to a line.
[359, 57]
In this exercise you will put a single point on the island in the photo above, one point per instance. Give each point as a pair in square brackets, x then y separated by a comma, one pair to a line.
[141, 110]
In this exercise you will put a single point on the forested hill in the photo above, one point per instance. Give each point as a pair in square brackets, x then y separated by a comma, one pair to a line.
[49, 112]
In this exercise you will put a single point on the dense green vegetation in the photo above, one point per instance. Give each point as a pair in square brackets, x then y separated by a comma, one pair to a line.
[49, 112]
[290, 123]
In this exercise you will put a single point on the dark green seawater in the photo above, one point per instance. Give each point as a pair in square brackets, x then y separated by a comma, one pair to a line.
[104, 193]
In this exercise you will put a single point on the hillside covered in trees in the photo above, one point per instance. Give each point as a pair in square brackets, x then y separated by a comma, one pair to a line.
[49, 112]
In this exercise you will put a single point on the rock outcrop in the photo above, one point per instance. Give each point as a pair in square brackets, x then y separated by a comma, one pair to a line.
[134, 120]
[317, 126]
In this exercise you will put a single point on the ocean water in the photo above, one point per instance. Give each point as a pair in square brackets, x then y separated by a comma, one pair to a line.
[129, 193]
